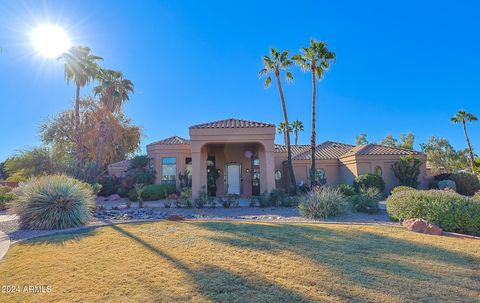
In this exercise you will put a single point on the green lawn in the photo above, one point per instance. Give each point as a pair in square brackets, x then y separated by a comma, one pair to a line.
[245, 262]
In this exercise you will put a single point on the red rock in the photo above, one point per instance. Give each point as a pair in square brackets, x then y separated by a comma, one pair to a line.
[422, 226]
[113, 197]
[175, 217]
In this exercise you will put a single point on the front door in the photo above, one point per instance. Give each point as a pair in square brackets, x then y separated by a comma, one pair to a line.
[233, 179]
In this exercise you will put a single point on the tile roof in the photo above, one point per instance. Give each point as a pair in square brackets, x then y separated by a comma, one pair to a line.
[375, 149]
[325, 151]
[175, 140]
[296, 149]
[232, 123]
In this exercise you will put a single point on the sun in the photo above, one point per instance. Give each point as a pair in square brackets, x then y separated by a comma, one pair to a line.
[50, 41]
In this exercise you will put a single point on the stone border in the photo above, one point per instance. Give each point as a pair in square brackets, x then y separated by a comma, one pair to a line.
[4, 244]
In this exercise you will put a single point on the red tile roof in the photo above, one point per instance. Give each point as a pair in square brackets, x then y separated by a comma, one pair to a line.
[296, 149]
[325, 151]
[375, 149]
[175, 140]
[232, 123]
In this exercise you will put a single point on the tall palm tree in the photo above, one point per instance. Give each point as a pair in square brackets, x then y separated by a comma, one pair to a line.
[113, 90]
[463, 117]
[281, 130]
[80, 66]
[316, 58]
[297, 126]
[273, 64]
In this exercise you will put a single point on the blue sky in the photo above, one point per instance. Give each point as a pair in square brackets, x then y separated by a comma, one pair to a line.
[401, 65]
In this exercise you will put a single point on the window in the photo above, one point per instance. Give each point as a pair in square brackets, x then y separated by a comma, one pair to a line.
[378, 171]
[169, 170]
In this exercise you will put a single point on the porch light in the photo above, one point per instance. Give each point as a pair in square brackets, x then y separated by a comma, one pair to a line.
[218, 171]
[208, 170]
[247, 170]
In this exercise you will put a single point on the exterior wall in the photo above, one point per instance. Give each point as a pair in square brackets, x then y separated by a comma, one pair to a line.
[118, 169]
[301, 168]
[202, 139]
[180, 152]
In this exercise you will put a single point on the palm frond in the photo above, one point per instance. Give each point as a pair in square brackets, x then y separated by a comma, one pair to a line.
[289, 77]
[268, 82]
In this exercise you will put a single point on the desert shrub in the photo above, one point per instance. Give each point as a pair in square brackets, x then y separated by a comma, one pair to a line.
[467, 184]
[277, 197]
[291, 201]
[303, 189]
[185, 198]
[369, 181]
[323, 202]
[443, 176]
[123, 191]
[444, 184]
[449, 210]
[154, 192]
[141, 170]
[401, 188]
[433, 184]
[264, 199]
[109, 185]
[366, 200]
[96, 188]
[54, 202]
[230, 200]
[132, 195]
[6, 196]
[139, 188]
[211, 202]
[346, 189]
[252, 202]
[185, 179]
[477, 196]
[202, 199]
[407, 170]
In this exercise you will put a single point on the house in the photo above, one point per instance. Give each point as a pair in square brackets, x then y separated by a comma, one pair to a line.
[234, 156]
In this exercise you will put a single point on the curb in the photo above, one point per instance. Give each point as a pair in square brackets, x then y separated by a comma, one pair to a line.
[4, 244]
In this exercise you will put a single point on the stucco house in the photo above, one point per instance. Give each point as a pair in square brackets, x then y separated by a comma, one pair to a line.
[234, 156]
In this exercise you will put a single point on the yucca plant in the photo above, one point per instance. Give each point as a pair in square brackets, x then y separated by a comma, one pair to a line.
[54, 202]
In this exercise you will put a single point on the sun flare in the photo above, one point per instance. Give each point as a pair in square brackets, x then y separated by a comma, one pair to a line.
[50, 41]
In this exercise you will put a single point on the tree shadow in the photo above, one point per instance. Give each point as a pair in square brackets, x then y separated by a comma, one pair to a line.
[369, 260]
[220, 285]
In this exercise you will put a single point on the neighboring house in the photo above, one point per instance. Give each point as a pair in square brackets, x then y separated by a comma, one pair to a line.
[240, 157]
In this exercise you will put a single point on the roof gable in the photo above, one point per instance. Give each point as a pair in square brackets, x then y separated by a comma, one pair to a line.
[232, 123]
[174, 140]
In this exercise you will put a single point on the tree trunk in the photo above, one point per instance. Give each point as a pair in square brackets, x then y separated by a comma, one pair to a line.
[472, 160]
[296, 136]
[78, 134]
[313, 139]
[287, 136]
[101, 141]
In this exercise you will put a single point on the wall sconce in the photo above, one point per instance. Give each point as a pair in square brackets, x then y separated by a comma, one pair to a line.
[247, 170]
[208, 170]
[218, 171]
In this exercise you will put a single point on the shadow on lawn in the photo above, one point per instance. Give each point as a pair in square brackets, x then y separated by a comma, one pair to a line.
[367, 259]
[220, 285]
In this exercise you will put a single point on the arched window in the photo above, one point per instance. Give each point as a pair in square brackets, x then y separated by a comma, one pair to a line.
[378, 171]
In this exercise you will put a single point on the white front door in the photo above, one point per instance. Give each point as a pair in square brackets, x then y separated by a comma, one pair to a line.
[233, 179]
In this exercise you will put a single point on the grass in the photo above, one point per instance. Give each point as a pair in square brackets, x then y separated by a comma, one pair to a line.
[244, 262]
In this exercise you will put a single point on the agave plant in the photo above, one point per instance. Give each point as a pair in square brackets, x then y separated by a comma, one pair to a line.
[54, 202]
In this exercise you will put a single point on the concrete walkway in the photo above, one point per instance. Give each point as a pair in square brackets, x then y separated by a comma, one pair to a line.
[4, 244]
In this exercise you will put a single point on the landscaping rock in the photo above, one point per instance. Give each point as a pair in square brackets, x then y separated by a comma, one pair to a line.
[175, 217]
[113, 197]
[422, 226]
[173, 196]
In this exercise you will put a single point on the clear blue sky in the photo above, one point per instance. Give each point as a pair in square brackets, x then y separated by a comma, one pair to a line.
[401, 65]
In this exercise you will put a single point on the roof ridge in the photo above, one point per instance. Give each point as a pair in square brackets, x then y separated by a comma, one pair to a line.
[166, 141]
[232, 123]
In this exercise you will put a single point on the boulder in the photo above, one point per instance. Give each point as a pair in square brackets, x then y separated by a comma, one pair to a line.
[422, 226]
[175, 217]
[113, 197]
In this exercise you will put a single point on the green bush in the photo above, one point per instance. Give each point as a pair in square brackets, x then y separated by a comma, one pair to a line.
[449, 210]
[154, 192]
[96, 188]
[264, 199]
[477, 196]
[54, 202]
[291, 201]
[185, 198]
[6, 196]
[277, 197]
[109, 185]
[467, 184]
[401, 188]
[141, 171]
[444, 184]
[252, 201]
[346, 189]
[366, 201]
[369, 181]
[230, 200]
[132, 195]
[407, 170]
[202, 199]
[323, 202]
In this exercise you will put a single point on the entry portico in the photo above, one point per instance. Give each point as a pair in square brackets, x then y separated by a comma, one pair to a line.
[233, 157]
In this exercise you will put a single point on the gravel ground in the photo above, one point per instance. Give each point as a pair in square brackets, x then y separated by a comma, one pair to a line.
[156, 211]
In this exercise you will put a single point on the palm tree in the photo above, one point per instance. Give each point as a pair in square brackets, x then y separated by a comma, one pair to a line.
[316, 58]
[275, 63]
[464, 117]
[281, 130]
[113, 90]
[80, 66]
[297, 126]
